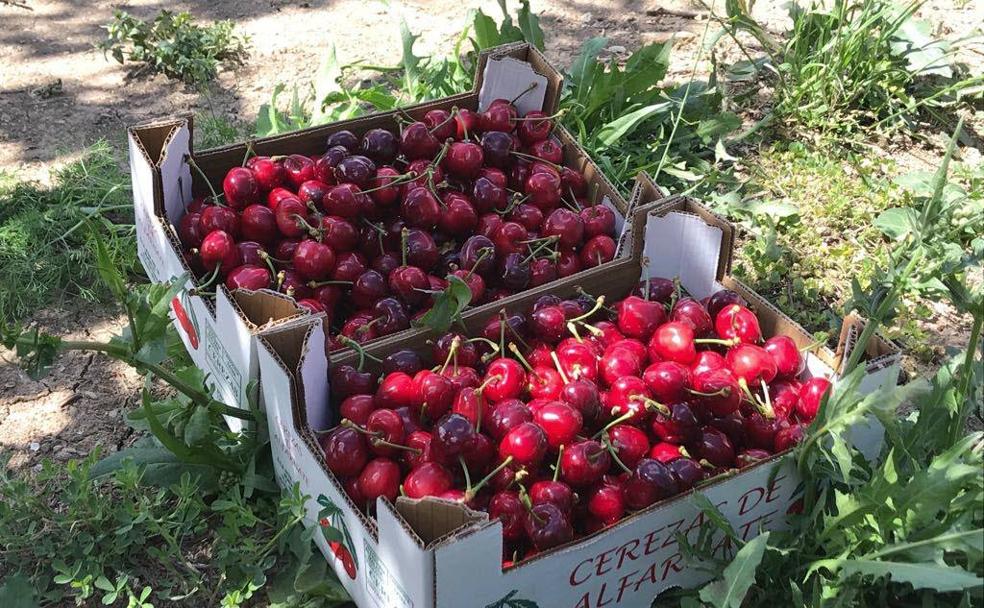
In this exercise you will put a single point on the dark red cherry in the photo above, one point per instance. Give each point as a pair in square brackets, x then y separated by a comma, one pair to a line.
[606, 502]
[715, 447]
[789, 362]
[543, 190]
[689, 310]
[427, 479]
[357, 408]
[566, 226]
[651, 481]
[420, 208]
[324, 166]
[299, 169]
[380, 145]
[659, 289]
[344, 200]
[380, 479]
[717, 391]
[345, 139]
[496, 149]
[347, 380]
[507, 507]
[248, 277]
[409, 284]
[598, 220]
[464, 159]
[629, 442]
[583, 463]
[639, 318]
[549, 150]
[790, 437]
[458, 218]
[451, 436]
[534, 127]
[346, 453]
[681, 426]
[441, 124]
[506, 416]
[240, 188]
[668, 381]
[526, 444]
[721, 298]
[258, 223]
[598, 250]
[556, 493]
[547, 526]
[687, 472]
[214, 217]
[417, 141]
[314, 261]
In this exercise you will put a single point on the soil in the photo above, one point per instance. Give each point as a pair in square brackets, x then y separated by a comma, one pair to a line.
[58, 94]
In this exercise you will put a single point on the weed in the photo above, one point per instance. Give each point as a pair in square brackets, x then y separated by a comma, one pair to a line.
[44, 251]
[174, 45]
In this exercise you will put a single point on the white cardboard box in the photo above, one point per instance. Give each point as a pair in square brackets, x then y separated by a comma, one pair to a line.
[428, 553]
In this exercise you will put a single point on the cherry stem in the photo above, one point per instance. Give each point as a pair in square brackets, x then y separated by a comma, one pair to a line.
[611, 450]
[532, 86]
[519, 355]
[560, 370]
[532, 157]
[684, 452]
[489, 380]
[395, 180]
[729, 343]
[451, 116]
[599, 303]
[191, 163]
[724, 391]
[471, 492]
[676, 292]
[383, 443]
[452, 354]
[539, 248]
[495, 347]
[571, 327]
[464, 468]
[481, 256]
[404, 236]
[513, 331]
[363, 354]
[652, 404]
[769, 411]
[211, 279]
[316, 284]
[560, 454]
[249, 152]
[705, 464]
[502, 330]
[617, 421]
[553, 116]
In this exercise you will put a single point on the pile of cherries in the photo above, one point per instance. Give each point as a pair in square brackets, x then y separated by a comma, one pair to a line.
[370, 229]
[565, 420]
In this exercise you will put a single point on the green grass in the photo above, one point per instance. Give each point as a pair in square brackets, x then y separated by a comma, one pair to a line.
[45, 246]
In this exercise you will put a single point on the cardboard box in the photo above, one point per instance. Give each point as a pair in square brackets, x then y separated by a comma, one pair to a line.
[219, 333]
[429, 553]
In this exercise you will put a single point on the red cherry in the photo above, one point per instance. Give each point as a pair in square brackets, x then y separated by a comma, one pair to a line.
[508, 508]
[240, 188]
[544, 383]
[789, 437]
[248, 277]
[583, 463]
[543, 190]
[810, 396]
[784, 395]
[380, 479]
[534, 127]
[630, 443]
[666, 452]
[668, 381]
[688, 310]
[718, 391]
[598, 220]
[441, 124]
[578, 360]
[568, 263]
[459, 217]
[313, 260]
[510, 382]
[509, 237]
[299, 169]
[751, 364]
[409, 284]
[619, 361]
[345, 451]
[735, 322]
[416, 141]
[638, 318]
[561, 423]
[549, 150]
[466, 123]
[218, 249]
[357, 408]
[384, 425]
[420, 208]
[463, 159]
[396, 390]
[427, 479]
[291, 216]
[549, 323]
[434, 393]
[706, 361]
[598, 250]
[789, 362]
[556, 493]
[526, 444]
[650, 481]
[542, 271]
[566, 226]
[674, 341]
[759, 431]
[269, 174]
[606, 503]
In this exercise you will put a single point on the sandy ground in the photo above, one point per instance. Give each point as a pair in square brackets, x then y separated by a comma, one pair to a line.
[58, 94]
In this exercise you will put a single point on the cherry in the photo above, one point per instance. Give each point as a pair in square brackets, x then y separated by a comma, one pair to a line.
[471, 403]
[544, 383]
[344, 200]
[566, 226]
[528, 216]
[498, 117]
[577, 360]
[345, 139]
[248, 277]
[457, 346]
[384, 427]
[507, 507]
[291, 216]
[749, 457]
[345, 451]
[568, 263]
[390, 316]
[619, 361]
[416, 141]
[506, 416]
[598, 220]
[489, 196]
[369, 287]
[706, 361]
[214, 217]
[658, 289]
[606, 502]
[789, 362]
[383, 191]
[324, 166]
[189, 230]
[269, 174]
[583, 396]
[674, 341]
[435, 393]
[510, 237]
[735, 322]
[410, 284]
[451, 436]
[385, 264]
[751, 364]
[478, 255]
[638, 318]
[681, 426]
[668, 381]
[561, 423]
[464, 159]
[440, 123]
[721, 298]
[313, 260]
[810, 397]
[427, 479]
[583, 463]
[466, 123]
[218, 249]
[688, 310]
[543, 190]
[598, 250]
[250, 252]
[240, 188]
[347, 380]
[547, 526]
[542, 271]
[718, 391]
[549, 150]
[666, 452]
[505, 379]
[298, 169]
[534, 127]
[784, 395]
[715, 447]
[294, 285]
[789, 437]
[496, 149]
[380, 479]
[651, 480]
[556, 493]
[421, 249]
[459, 217]
[549, 323]
[526, 444]
[380, 145]
[420, 208]
[357, 408]
[759, 431]
[687, 472]
[258, 223]
[396, 390]
[630, 443]
[349, 266]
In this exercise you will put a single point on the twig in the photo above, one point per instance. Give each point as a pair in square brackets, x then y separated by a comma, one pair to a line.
[17, 4]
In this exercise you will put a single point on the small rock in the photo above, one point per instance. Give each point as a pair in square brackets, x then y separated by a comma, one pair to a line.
[617, 49]
[587, 18]
[34, 446]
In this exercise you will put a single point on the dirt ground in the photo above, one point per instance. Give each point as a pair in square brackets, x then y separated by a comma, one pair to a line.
[59, 94]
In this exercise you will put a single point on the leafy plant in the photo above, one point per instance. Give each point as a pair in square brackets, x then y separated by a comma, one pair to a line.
[902, 530]
[857, 64]
[44, 250]
[174, 45]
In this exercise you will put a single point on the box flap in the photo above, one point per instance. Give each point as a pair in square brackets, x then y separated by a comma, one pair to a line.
[682, 245]
[509, 78]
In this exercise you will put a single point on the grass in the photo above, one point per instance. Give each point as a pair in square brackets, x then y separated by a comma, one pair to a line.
[45, 246]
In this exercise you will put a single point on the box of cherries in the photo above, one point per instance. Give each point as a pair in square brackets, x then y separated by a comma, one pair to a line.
[562, 436]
